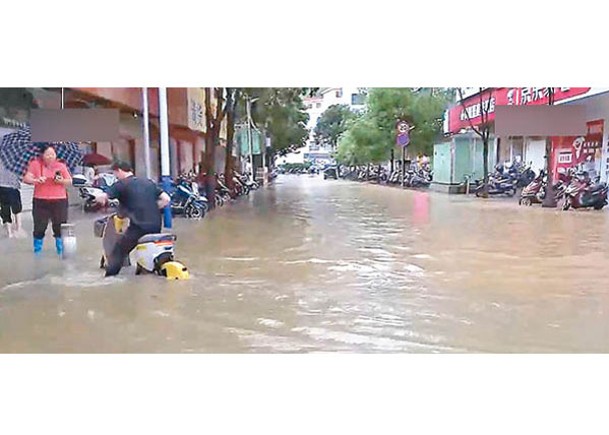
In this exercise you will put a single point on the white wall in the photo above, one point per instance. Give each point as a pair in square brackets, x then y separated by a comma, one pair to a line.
[186, 155]
[535, 152]
[293, 157]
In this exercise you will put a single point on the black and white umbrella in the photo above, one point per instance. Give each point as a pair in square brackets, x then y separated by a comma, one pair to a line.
[17, 150]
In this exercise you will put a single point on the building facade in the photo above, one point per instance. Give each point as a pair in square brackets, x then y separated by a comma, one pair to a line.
[186, 123]
[566, 151]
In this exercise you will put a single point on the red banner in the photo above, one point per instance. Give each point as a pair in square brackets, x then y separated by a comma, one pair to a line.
[583, 152]
[458, 114]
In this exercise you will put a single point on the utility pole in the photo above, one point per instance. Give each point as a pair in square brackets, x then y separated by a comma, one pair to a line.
[146, 122]
[165, 166]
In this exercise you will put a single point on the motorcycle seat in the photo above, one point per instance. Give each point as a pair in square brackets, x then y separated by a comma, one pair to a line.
[152, 238]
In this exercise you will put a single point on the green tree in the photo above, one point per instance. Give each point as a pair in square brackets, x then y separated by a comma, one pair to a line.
[362, 143]
[282, 114]
[332, 124]
[423, 108]
[371, 138]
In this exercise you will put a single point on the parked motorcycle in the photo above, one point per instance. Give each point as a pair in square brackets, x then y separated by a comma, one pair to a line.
[534, 192]
[89, 192]
[502, 186]
[186, 201]
[583, 193]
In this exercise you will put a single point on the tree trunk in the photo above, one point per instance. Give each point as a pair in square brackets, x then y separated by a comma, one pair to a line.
[230, 133]
[209, 178]
[213, 122]
[485, 165]
[550, 198]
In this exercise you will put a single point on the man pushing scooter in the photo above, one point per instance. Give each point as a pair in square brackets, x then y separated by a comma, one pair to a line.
[140, 200]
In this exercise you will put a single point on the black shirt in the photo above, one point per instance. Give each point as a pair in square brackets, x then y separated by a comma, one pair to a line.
[138, 199]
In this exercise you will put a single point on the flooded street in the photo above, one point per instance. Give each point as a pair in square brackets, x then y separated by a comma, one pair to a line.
[308, 265]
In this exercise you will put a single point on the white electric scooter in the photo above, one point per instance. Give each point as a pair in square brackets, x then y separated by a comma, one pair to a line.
[154, 253]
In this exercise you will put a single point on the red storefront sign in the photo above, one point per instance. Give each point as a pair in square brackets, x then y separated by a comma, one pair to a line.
[578, 151]
[458, 114]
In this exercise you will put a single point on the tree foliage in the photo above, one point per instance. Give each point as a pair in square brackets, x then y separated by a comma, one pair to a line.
[363, 142]
[423, 108]
[332, 124]
[281, 113]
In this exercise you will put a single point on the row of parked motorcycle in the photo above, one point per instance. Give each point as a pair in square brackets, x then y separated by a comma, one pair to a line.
[573, 189]
[188, 197]
[189, 200]
[414, 176]
[505, 180]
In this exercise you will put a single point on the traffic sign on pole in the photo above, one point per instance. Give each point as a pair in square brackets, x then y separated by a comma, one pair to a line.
[403, 133]
[403, 139]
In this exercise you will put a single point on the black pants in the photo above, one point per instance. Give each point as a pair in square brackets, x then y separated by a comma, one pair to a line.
[10, 203]
[125, 245]
[43, 210]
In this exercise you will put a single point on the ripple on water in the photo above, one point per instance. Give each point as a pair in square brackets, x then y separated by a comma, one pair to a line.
[271, 323]
[376, 342]
[239, 258]
[309, 260]
[414, 269]
[422, 256]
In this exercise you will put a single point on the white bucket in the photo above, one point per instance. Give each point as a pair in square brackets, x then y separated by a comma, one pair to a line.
[68, 236]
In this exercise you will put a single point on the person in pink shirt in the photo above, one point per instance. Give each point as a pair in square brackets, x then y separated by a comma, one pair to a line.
[50, 178]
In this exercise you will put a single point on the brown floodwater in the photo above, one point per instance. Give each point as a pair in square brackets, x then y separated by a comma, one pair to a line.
[308, 265]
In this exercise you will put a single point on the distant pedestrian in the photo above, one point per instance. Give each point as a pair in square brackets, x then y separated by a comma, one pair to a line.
[50, 178]
[10, 203]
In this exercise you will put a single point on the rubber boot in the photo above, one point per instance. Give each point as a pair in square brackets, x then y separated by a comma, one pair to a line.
[59, 246]
[38, 246]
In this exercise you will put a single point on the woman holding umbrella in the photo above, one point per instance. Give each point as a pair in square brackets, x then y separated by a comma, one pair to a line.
[50, 178]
